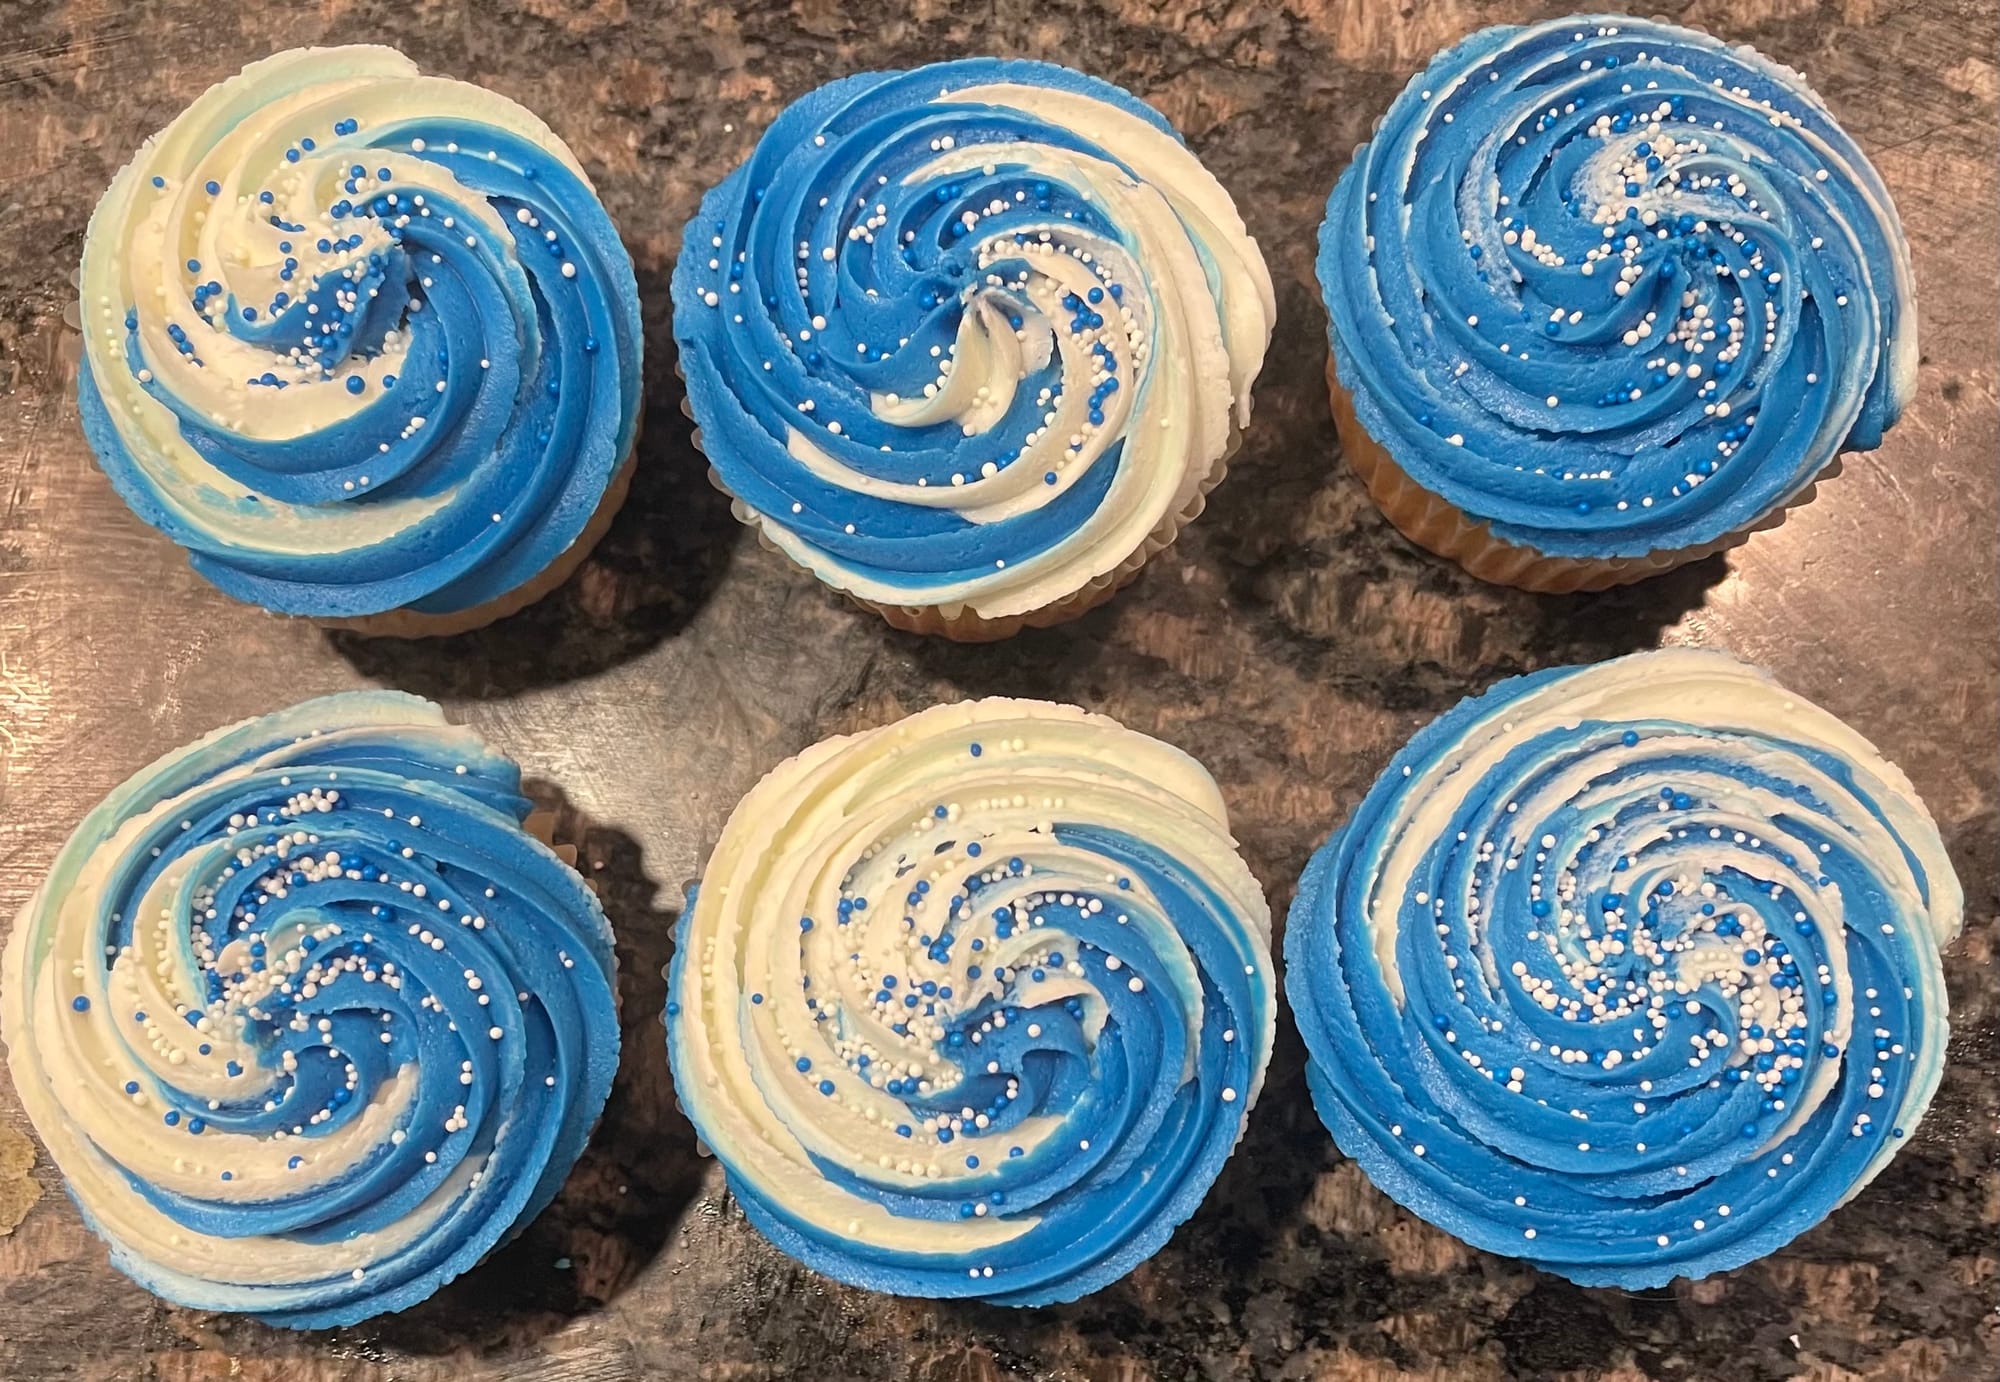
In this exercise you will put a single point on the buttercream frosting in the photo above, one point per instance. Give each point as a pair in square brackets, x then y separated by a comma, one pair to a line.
[1630, 969]
[974, 1004]
[305, 1018]
[358, 338]
[1612, 287]
[969, 335]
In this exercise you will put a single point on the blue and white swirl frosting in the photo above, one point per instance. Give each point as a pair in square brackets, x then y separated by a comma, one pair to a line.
[969, 335]
[357, 338]
[974, 1004]
[1630, 969]
[1613, 287]
[307, 1021]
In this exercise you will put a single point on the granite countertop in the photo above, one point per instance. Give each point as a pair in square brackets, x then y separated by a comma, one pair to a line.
[1291, 640]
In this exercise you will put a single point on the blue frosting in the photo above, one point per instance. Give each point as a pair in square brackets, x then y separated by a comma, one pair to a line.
[440, 944]
[832, 266]
[1635, 952]
[518, 346]
[1520, 265]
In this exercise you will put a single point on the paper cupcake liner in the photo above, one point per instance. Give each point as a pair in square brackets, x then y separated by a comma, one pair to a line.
[1436, 525]
[411, 623]
[958, 622]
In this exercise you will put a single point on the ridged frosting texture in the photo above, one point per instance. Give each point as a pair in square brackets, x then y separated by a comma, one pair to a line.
[974, 1004]
[1630, 970]
[357, 338]
[969, 335]
[1613, 287]
[307, 1021]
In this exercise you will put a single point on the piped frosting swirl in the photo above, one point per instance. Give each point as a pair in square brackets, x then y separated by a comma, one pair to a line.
[974, 1004]
[359, 339]
[969, 335]
[1611, 286]
[1629, 969]
[306, 1019]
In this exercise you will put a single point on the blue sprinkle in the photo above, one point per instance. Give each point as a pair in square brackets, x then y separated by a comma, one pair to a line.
[826, 1086]
[80, 1003]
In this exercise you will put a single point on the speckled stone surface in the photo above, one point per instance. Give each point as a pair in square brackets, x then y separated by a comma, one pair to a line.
[1290, 640]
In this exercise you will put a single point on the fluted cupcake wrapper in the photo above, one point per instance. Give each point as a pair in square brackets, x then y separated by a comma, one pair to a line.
[1435, 525]
[411, 623]
[960, 623]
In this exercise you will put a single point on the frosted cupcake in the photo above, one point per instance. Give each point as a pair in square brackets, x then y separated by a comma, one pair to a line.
[1606, 296]
[364, 342]
[1630, 970]
[971, 342]
[975, 1004]
[307, 1020]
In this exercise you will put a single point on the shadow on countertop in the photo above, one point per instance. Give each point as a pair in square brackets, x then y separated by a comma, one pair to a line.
[653, 572]
[630, 1187]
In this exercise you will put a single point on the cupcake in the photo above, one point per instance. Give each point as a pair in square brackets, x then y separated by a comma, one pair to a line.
[306, 1019]
[1630, 970]
[364, 342]
[1606, 296]
[970, 343]
[974, 1004]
